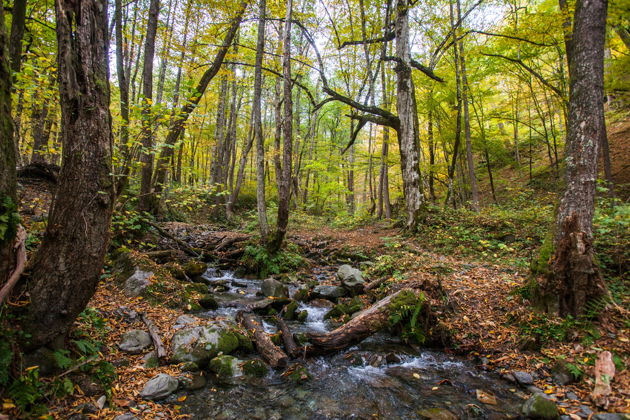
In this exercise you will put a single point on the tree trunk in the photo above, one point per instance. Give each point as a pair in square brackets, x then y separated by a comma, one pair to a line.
[474, 191]
[147, 201]
[39, 118]
[284, 188]
[407, 134]
[272, 353]
[68, 263]
[8, 195]
[123, 86]
[575, 278]
[257, 122]
[18, 19]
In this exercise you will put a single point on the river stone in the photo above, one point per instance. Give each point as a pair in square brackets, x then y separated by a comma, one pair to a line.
[610, 416]
[208, 301]
[126, 416]
[523, 378]
[225, 366]
[290, 311]
[538, 407]
[151, 360]
[437, 414]
[194, 269]
[137, 283]
[255, 367]
[200, 344]
[159, 387]
[329, 292]
[273, 288]
[184, 320]
[351, 279]
[135, 341]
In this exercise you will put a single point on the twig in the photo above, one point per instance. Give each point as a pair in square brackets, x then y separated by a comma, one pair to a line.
[187, 248]
[20, 247]
[155, 336]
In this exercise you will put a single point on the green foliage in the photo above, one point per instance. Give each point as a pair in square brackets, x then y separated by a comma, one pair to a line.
[611, 230]
[404, 315]
[128, 224]
[6, 356]
[9, 219]
[258, 260]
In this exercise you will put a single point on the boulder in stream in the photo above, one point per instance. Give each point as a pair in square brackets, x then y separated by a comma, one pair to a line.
[273, 288]
[200, 344]
[255, 367]
[159, 387]
[329, 292]
[351, 279]
[208, 301]
[194, 268]
[539, 407]
[135, 341]
[225, 366]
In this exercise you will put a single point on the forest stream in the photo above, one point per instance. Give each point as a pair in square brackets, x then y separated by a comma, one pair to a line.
[380, 377]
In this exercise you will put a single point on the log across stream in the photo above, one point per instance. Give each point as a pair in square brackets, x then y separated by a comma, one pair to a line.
[376, 377]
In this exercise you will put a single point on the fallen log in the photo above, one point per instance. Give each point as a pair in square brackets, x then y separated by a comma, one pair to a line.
[287, 337]
[272, 353]
[365, 323]
[154, 332]
[374, 284]
[185, 247]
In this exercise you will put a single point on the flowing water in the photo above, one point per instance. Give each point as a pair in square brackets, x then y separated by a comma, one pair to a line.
[379, 378]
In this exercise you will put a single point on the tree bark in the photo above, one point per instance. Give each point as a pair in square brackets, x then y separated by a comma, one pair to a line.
[284, 188]
[147, 200]
[8, 194]
[18, 19]
[257, 122]
[68, 263]
[575, 278]
[407, 133]
[361, 326]
[123, 86]
[272, 353]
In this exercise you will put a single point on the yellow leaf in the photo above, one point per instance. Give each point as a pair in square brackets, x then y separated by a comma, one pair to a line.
[435, 388]
[8, 405]
[182, 398]
[415, 375]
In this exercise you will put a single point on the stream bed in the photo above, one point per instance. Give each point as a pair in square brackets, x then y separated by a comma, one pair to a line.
[379, 378]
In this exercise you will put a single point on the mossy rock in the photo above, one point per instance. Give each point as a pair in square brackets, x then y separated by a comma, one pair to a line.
[225, 366]
[208, 301]
[539, 407]
[255, 367]
[297, 373]
[290, 311]
[190, 367]
[276, 339]
[244, 342]
[175, 269]
[194, 268]
[196, 287]
[200, 344]
[302, 294]
[302, 316]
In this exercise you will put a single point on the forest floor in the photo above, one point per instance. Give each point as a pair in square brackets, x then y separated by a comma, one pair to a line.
[479, 263]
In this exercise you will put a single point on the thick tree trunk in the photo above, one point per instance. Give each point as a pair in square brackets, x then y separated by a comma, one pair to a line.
[284, 188]
[68, 263]
[257, 122]
[575, 278]
[40, 135]
[123, 86]
[18, 19]
[407, 133]
[147, 201]
[8, 195]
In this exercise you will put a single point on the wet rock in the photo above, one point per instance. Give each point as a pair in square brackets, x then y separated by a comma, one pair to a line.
[273, 288]
[255, 367]
[297, 373]
[159, 387]
[321, 303]
[151, 360]
[610, 416]
[195, 269]
[208, 302]
[302, 316]
[301, 294]
[190, 367]
[100, 403]
[290, 311]
[538, 407]
[351, 279]
[202, 343]
[329, 292]
[213, 273]
[225, 366]
[523, 378]
[437, 414]
[137, 283]
[134, 341]
[560, 373]
[126, 416]
[196, 381]
[349, 308]
[392, 358]
[572, 396]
